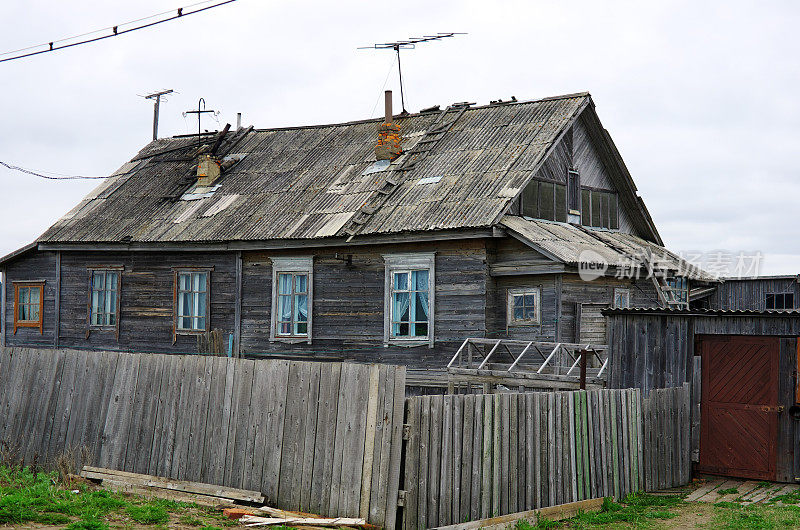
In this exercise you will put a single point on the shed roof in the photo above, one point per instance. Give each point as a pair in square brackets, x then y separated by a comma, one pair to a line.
[308, 182]
[575, 244]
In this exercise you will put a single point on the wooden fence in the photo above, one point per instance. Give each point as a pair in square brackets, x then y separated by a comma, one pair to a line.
[471, 457]
[315, 437]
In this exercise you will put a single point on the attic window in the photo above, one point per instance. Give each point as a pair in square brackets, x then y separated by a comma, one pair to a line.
[779, 301]
[545, 200]
[599, 209]
[376, 167]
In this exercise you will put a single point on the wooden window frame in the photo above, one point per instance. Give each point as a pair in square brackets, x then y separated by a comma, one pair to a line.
[586, 217]
[511, 321]
[36, 324]
[93, 327]
[406, 262]
[627, 293]
[292, 265]
[177, 271]
[783, 294]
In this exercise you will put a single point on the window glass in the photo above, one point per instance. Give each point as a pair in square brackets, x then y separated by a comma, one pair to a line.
[779, 301]
[622, 298]
[561, 203]
[28, 307]
[523, 306]
[410, 311]
[292, 310]
[546, 205]
[192, 301]
[530, 200]
[103, 310]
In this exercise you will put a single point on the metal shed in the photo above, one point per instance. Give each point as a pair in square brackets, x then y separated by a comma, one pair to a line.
[742, 366]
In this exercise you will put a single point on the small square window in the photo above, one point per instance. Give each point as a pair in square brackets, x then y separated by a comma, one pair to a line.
[622, 298]
[524, 307]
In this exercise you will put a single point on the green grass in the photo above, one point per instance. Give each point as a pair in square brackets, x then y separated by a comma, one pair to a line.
[728, 491]
[639, 510]
[27, 498]
[730, 516]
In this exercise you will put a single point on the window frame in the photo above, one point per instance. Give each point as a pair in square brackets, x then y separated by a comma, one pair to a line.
[292, 265]
[177, 271]
[783, 295]
[36, 324]
[511, 321]
[597, 196]
[95, 327]
[407, 262]
[627, 294]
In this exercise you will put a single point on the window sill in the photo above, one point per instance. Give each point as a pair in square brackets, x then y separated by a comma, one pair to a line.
[408, 343]
[291, 340]
[191, 332]
[524, 324]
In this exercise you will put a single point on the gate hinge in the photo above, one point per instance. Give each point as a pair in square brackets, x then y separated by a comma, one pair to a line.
[401, 497]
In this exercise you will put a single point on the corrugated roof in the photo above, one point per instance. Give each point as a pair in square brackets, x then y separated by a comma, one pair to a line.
[572, 245]
[307, 182]
[703, 312]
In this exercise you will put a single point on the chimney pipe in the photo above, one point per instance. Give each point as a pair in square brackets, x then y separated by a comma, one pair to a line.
[238, 120]
[387, 106]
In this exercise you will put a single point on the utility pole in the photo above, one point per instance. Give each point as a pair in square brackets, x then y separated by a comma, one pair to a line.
[157, 97]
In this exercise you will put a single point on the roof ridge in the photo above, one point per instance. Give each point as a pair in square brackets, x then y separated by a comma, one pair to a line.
[399, 116]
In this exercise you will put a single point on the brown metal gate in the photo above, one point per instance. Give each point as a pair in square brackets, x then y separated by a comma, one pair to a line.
[739, 406]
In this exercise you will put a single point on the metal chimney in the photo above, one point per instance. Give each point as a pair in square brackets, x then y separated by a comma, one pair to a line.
[387, 97]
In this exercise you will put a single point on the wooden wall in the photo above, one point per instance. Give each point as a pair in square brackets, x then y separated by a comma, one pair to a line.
[348, 308]
[33, 266]
[146, 305]
[751, 294]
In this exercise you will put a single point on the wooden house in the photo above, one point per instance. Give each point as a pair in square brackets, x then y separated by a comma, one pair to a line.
[758, 293]
[386, 240]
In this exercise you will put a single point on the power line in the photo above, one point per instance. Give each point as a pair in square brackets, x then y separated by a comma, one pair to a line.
[48, 177]
[115, 31]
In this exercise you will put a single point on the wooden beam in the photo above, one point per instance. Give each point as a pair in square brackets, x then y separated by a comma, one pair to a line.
[552, 513]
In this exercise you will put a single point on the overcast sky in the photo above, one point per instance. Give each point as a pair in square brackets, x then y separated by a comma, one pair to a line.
[700, 97]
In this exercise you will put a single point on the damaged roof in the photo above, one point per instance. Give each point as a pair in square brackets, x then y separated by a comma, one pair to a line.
[575, 244]
[308, 182]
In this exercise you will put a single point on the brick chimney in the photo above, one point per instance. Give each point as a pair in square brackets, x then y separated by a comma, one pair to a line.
[388, 146]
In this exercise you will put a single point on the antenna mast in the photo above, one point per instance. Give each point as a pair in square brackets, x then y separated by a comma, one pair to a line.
[410, 43]
[201, 109]
[157, 96]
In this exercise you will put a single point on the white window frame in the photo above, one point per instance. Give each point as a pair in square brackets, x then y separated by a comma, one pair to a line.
[624, 292]
[406, 262]
[291, 265]
[522, 291]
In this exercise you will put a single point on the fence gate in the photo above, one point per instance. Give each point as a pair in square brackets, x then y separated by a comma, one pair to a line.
[739, 407]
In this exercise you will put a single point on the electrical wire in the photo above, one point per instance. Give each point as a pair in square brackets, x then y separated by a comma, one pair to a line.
[385, 81]
[48, 177]
[116, 31]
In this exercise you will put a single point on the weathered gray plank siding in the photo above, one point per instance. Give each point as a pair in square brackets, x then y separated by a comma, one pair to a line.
[296, 431]
[524, 451]
[751, 294]
[35, 266]
[348, 305]
[146, 304]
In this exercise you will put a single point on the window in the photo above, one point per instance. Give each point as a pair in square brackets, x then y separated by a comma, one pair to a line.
[545, 200]
[779, 301]
[622, 298]
[574, 192]
[292, 287]
[409, 301]
[678, 290]
[104, 289]
[192, 295]
[28, 302]
[524, 307]
[599, 209]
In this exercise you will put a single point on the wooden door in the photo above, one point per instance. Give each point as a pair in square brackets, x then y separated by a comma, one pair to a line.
[739, 406]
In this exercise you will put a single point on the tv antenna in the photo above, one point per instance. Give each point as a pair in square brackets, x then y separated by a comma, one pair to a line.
[201, 109]
[408, 44]
[157, 96]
